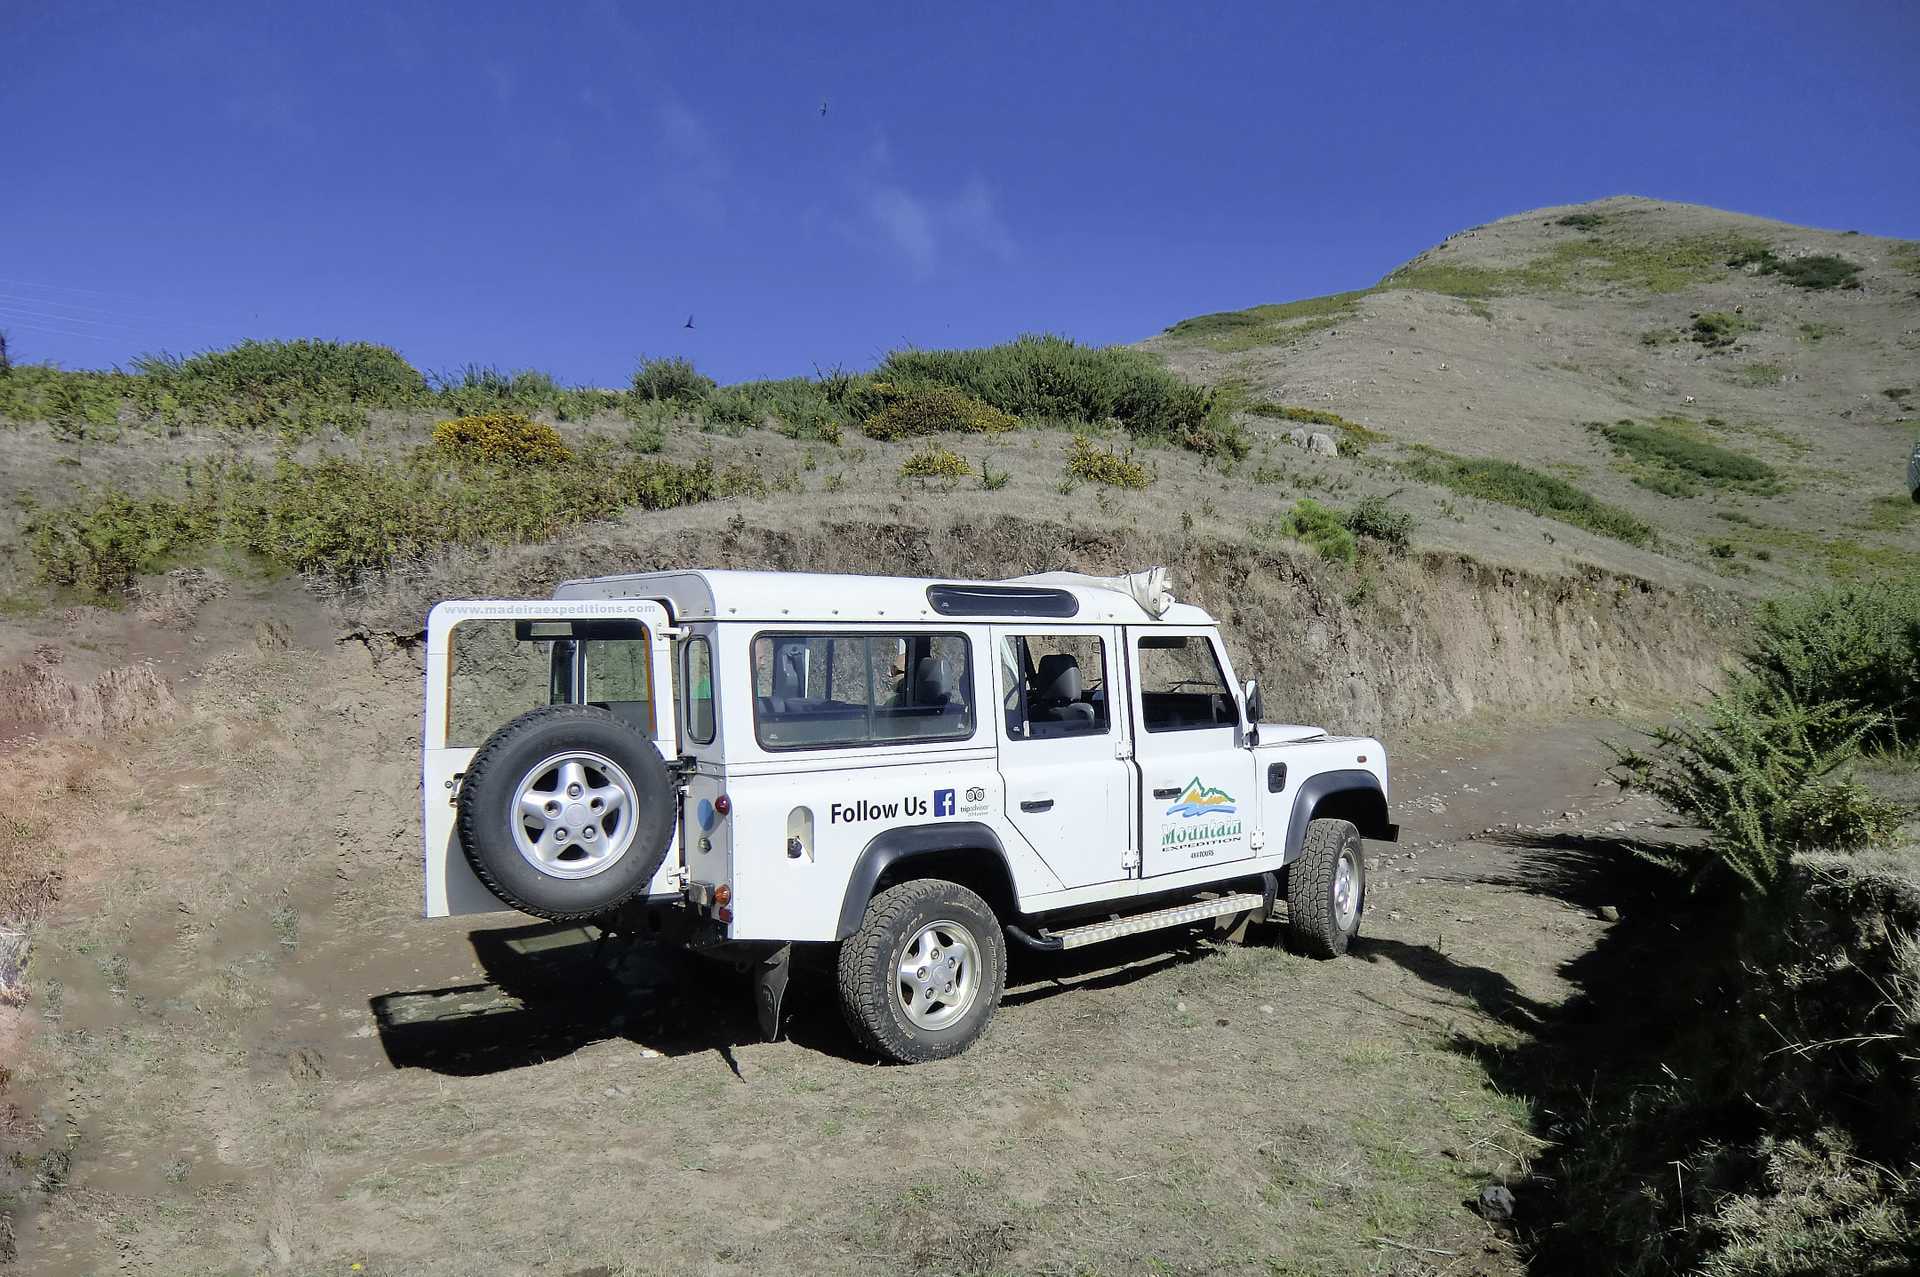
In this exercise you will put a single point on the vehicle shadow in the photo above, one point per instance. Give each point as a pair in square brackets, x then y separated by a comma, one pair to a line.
[550, 989]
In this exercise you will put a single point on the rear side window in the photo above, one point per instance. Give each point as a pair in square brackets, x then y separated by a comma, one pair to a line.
[1056, 685]
[823, 691]
[1181, 686]
[699, 691]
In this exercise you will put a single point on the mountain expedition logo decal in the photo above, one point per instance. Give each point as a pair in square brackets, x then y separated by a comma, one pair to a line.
[1199, 800]
[1200, 821]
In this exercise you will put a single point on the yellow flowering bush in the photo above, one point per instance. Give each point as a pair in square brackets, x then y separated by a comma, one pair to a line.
[503, 438]
[904, 412]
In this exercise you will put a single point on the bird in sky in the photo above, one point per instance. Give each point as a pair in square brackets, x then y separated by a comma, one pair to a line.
[689, 322]
[823, 106]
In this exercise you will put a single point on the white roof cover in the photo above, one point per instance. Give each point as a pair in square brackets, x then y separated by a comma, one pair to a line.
[1147, 588]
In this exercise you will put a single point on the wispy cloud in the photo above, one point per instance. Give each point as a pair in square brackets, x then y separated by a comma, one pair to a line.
[695, 170]
[928, 232]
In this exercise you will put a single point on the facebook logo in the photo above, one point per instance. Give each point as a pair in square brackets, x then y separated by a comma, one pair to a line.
[943, 802]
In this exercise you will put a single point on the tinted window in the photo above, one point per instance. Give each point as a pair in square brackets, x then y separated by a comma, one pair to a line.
[816, 691]
[1056, 685]
[699, 691]
[1181, 686]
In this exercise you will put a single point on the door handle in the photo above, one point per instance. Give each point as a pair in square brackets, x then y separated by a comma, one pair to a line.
[1173, 792]
[1037, 804]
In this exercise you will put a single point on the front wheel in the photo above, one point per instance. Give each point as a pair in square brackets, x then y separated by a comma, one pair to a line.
[1326, 890]
[922, 976]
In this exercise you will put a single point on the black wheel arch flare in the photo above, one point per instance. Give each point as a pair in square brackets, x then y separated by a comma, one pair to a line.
[966, 846]
[1349, 794]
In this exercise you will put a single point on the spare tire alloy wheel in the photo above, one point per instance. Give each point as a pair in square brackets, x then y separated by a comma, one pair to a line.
[572, 815]
[566, 812]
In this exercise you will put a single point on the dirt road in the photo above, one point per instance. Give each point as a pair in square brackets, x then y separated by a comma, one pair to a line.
[313, 1080]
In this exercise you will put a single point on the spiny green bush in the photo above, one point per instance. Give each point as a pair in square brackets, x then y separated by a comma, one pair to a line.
[477, 389]
[1855, 644]
[935, 462]
[1512, 484]
[1375, 519]
[1673, 450]
[1053, 378]
[1760, 772]
[1086, 460]
[671, 380]
[1582, 221]
[906, 412]
[504, 438]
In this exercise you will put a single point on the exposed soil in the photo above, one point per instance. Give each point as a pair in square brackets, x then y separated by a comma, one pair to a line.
[280, 1066]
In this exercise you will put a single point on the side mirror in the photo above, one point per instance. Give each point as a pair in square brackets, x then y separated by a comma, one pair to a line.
[1255, 706]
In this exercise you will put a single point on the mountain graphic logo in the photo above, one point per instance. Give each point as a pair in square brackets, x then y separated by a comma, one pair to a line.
[1199, 800]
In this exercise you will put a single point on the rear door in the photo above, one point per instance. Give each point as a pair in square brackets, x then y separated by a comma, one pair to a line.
[491, 660]
[1196, 776]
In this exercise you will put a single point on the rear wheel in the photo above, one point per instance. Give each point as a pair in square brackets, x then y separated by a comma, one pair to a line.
[1326, 890]
[922, 976]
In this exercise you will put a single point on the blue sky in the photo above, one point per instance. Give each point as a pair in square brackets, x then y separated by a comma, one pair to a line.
[560, 187]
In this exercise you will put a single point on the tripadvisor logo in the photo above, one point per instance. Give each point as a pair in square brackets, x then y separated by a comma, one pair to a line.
[1202, 814]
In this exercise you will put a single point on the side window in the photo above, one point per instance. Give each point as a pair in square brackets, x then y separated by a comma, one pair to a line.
[818, 691]
[1056, 685]
[1181, 686]
[699, 691]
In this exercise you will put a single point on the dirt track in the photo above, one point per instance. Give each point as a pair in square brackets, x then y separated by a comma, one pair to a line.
[316, 1078]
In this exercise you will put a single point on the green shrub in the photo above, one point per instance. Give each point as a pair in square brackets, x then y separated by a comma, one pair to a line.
[1582, 221]
[505, 438]
[339, 517]
[935, 462]
[907, 412]
[1717, 329]
[1086, 460]
[1375, 519]
[355, 372]
[1323, 529]
[1512, 484]
[1052, 378]
[1758, 770]
[671, 380]
[477, 389]
[1858, 645]
[1279, 324]
[1675, 451]
[1816, 270]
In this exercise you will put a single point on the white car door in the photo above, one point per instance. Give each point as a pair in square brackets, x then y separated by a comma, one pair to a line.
[1196, 775]
[477, 682]
[1061, 721]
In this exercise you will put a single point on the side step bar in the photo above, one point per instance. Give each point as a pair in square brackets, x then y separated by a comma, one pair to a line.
[1114, 928]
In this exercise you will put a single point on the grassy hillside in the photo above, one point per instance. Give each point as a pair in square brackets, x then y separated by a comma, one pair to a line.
[1740, 390]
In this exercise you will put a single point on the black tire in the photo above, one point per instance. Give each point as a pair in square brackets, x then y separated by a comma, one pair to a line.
[1315, 923]
[487, 812]
[870, 984]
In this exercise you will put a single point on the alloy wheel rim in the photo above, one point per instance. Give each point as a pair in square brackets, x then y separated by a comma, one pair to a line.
[572, 814]
[937, 974]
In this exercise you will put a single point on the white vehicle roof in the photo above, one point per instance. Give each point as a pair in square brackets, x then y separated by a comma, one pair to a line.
[728, 595]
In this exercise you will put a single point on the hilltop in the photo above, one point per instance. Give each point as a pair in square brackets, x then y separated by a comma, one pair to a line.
[1745, 387]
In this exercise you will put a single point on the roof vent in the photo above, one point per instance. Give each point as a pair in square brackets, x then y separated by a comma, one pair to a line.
[1001, 600]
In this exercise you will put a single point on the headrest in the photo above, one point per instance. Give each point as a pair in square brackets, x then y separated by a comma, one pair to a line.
[932, 681]
[1058, 678]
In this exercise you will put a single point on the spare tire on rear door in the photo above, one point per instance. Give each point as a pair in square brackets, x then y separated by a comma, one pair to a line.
[566, 812]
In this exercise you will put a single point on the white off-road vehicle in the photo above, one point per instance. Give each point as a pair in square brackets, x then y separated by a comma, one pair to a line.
[915, 771]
